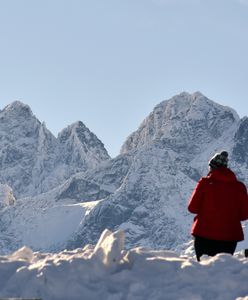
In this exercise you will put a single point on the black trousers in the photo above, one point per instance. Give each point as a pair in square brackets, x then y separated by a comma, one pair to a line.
[212, 247]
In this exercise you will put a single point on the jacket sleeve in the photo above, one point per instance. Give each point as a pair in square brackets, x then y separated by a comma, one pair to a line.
[244, 204]
[196, 198]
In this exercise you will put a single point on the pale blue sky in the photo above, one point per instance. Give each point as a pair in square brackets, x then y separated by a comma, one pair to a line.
[109, 62]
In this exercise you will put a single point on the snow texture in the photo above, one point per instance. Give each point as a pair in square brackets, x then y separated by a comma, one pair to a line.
[33, 161]
[170, 150]
[6, 196]
[144, 191]
[107, 271]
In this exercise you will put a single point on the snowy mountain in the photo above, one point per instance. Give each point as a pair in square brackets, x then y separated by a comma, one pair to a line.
[170, 152]
[49, 220]
[33, 161]
[143, 191]
[182, 123]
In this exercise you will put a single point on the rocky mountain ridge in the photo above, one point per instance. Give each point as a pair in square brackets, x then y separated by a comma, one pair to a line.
[171, 150]
[33, 161]
[144, 190]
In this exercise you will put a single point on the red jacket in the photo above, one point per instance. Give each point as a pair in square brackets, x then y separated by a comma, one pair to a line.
[220, 202]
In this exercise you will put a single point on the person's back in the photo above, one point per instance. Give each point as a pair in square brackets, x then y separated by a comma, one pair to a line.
[220, 202]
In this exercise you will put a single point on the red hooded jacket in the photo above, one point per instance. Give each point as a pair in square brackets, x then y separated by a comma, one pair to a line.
[220, 202]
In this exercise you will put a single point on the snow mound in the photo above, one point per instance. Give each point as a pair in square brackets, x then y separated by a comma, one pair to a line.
[109, 248]
[106, 271]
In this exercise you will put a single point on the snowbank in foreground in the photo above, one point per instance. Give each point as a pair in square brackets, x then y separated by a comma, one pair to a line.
[106, 271]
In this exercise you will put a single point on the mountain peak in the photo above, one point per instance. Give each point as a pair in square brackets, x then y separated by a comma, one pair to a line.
[78, 125]
[197, 95]
[18, 107]
[72, 129]
[191, 116]
[188, 104]
[85, 143]
[183, 94]
[34, 156]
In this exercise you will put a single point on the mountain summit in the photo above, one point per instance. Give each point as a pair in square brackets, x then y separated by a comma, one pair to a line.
[170, 152]
[192, 116]
[143, 191]
[80, 147]
[33, 161]
[17, 107]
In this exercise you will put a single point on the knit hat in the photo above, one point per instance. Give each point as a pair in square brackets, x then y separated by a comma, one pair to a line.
[219, 160]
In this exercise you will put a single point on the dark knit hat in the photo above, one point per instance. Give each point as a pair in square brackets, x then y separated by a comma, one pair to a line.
[219, 160]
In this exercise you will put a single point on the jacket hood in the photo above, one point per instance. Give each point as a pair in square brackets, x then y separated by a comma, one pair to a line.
[222, 174]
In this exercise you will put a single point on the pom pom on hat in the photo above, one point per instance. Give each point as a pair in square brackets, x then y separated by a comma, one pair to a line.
[219, 160]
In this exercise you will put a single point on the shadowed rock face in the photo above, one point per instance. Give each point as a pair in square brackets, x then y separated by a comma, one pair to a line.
[96, 183]
[82, 190]
[241, 142]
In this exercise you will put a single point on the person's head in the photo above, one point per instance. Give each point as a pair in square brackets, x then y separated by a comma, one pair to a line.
[219, 160]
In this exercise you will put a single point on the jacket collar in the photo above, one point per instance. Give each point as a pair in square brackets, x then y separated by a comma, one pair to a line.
[222, 174]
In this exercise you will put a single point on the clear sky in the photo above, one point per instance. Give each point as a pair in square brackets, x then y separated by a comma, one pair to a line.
[109, 62]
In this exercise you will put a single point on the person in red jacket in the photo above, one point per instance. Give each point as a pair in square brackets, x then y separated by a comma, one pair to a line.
[220, 203]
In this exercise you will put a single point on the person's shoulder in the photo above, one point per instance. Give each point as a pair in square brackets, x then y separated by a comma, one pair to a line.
[203, 180]
[241, 185]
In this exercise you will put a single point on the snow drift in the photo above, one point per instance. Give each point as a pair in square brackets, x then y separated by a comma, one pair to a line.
[106, 271]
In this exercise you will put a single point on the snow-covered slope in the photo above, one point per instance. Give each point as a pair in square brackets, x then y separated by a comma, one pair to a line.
[144, 191]
[183, 123]
[46, 222]
[97, 183]
[33, 161]
[170, 152]
[108, 272]
[79, 148]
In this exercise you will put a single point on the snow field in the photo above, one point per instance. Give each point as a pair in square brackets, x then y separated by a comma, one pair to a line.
[106, 271]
